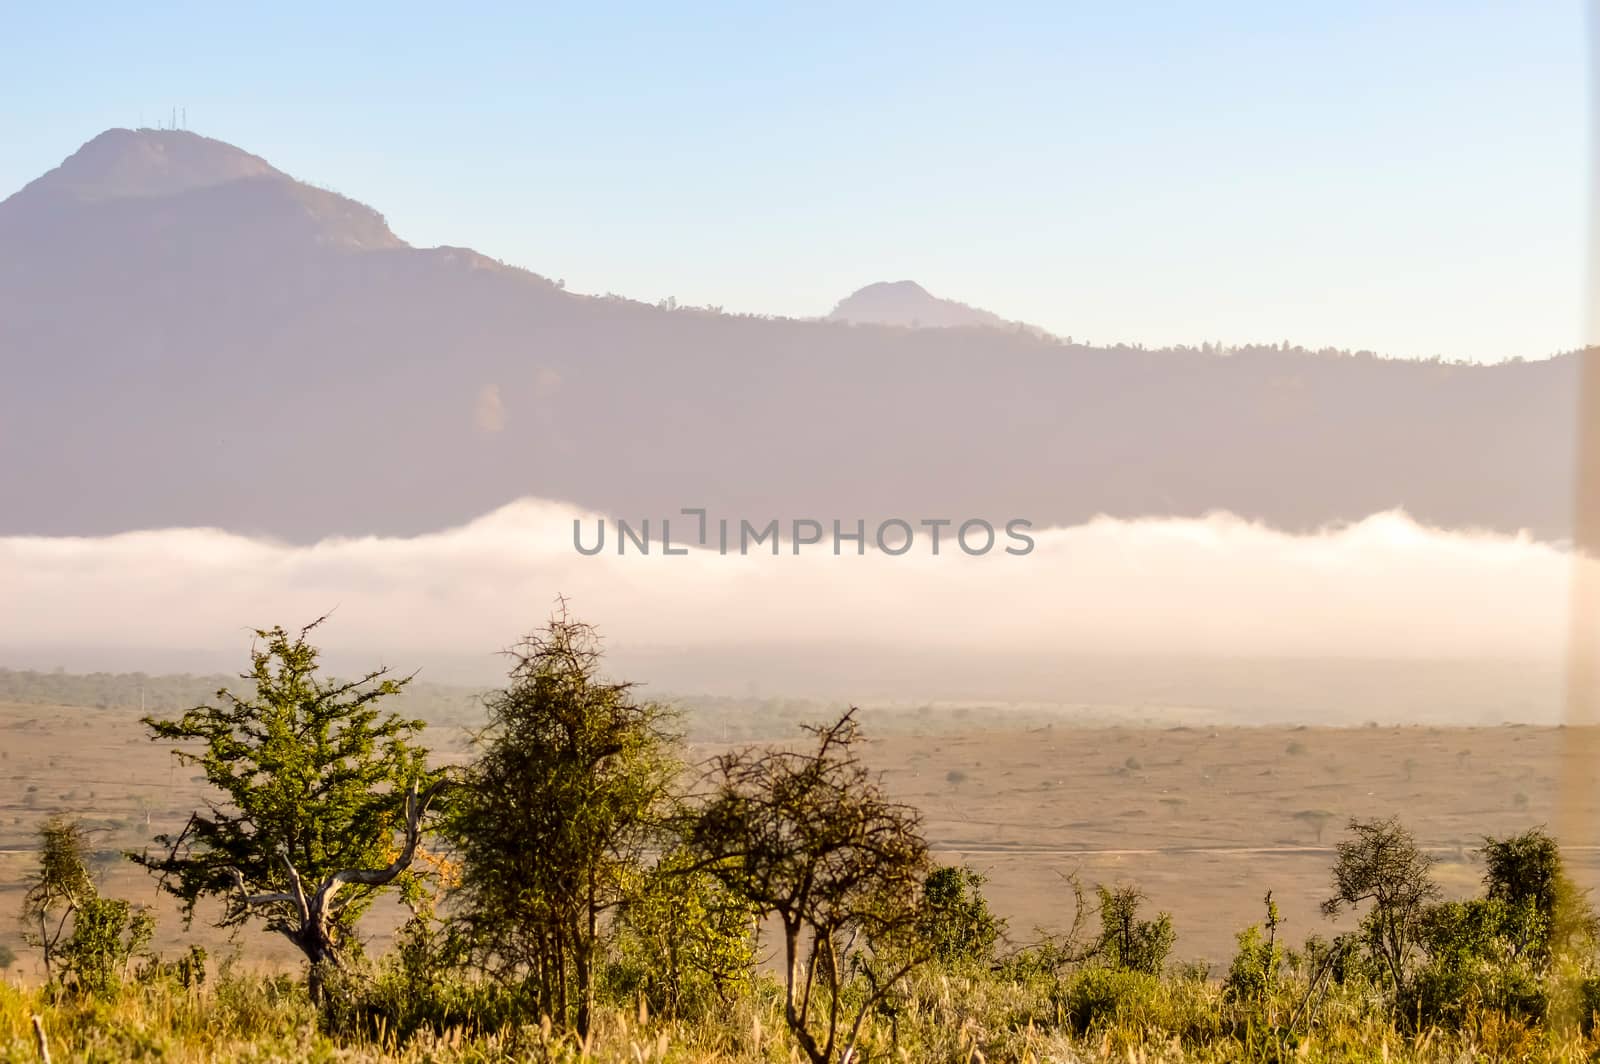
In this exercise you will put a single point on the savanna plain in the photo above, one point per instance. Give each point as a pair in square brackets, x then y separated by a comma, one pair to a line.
[1203, 820]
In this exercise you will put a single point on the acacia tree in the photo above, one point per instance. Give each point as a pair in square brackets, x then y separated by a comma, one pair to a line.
[569, 790]
[809, 838]
[323, 800]
[1381, 863]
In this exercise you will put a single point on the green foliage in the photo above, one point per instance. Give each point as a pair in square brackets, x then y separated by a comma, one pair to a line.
[569, 789]
[1527, 874]
[315, 785]
[419, 985]
[1492, 928]
[1496, 953]
[1257, 966]
[1128, 942]
[191, 968]
[685, 943]
[1093, 1013]
[956, 925]
[1102, 1001]
[107, 934]
[592, 896]
[8, 957]
[1478, 960]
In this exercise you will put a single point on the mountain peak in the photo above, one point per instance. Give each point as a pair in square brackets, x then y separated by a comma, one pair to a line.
[900, 289]
[176, 187]
[907, 303]
[136, 163]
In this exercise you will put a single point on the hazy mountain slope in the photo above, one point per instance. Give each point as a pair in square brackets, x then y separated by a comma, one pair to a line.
[188, 336]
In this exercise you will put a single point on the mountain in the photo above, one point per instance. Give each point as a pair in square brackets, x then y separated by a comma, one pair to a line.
[908, 304]
[188, 336]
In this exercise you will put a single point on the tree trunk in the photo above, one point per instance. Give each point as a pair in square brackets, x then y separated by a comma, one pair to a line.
[561, 978]
[580, 965]
[584, 957]
[47, 944]
[794, 1009]
[323, 957]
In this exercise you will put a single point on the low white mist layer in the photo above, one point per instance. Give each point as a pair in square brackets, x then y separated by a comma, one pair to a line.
[1380, 588]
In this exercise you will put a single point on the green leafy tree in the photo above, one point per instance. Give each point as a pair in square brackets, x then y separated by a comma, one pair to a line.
[955, 922]
[810, 839]
[1380, 865]
[568, 791]
[323, 801]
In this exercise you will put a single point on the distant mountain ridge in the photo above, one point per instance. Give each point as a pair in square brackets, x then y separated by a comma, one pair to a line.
[188, 336]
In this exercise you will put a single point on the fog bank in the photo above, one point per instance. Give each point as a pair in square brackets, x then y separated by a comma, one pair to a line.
[913, 626]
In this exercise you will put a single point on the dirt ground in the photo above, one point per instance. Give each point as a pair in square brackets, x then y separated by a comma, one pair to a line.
[1205, 819]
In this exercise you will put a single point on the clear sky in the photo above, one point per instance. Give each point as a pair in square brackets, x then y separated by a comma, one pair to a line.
[1407, 178]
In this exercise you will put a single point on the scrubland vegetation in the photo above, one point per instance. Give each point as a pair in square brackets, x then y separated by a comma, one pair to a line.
[578, 890]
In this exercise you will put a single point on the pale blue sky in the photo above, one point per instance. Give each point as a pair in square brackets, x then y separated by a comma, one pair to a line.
[1408, 178]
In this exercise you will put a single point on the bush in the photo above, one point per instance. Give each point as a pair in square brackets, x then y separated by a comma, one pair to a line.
[1256, 967]
[956, 925]
[1139, 1006]
[684, 942]
[1128, 942]
[1448, 995]
[107, 933]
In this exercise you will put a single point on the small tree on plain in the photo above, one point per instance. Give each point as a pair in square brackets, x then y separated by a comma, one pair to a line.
[88, 941]
[809, 838]
[107, 933]
[1316, 819]
[1381, 864]
[1255, 967]
[58, 889]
